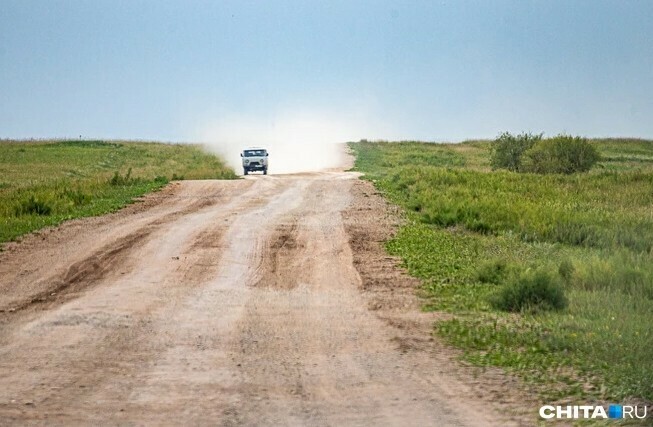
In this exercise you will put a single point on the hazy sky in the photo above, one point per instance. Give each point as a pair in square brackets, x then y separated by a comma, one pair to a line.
[432, 70]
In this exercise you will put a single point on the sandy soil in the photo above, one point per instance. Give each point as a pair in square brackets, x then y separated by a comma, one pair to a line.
[263, 301]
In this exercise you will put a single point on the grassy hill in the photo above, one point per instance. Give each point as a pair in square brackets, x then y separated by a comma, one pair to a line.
[474, 235]
[44, 183]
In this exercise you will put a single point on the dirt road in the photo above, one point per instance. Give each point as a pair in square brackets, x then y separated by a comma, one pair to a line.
[214, 303]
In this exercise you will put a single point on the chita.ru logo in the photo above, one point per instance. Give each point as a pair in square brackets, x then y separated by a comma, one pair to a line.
[616, 412]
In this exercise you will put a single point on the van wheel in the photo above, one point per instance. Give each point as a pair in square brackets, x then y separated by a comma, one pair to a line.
[245, 171]
[265, 171]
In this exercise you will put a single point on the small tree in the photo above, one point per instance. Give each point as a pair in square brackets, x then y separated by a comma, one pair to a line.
[561, 154]
[507, 150]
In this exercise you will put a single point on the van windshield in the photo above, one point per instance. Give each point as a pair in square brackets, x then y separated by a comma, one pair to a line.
[254, 153]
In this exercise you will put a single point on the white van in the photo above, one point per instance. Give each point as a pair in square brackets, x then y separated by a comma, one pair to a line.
[255, 159]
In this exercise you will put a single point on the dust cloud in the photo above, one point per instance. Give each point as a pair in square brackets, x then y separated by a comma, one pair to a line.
[299, 142]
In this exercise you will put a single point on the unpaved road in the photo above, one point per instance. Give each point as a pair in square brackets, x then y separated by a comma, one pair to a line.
[214, 303]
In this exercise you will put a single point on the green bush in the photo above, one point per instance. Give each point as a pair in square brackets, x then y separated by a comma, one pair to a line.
[33, 206]
[493, 271]
[507, 150]
[530, 291]
[561, 154]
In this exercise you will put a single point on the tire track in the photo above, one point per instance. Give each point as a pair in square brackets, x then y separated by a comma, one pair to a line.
[281, 251]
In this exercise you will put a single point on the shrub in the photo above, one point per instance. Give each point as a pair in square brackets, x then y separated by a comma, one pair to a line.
[492, 271]
[507, 150]
[33, 206]
[561, 154]
[531, 291]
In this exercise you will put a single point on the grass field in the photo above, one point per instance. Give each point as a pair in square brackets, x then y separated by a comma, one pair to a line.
[468, 227]
[45, 183]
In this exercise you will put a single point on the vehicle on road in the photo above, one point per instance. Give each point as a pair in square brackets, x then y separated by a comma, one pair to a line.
[255, 159]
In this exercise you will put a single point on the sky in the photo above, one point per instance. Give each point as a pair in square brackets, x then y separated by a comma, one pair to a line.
[244, 71]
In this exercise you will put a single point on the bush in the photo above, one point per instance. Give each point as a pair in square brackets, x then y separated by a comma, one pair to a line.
[531, 291]
[507, 150]
[493, 271]
[33, 206]
[561, 154]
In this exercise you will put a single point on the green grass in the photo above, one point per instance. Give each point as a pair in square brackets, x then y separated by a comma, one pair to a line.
[45, 183]
[471, 233]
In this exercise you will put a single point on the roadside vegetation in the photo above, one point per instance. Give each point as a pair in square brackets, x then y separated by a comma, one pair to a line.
[533, 153]
[44, 183]
[549, 274]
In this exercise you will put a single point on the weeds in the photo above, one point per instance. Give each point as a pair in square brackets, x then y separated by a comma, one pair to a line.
[78, 197]
[558, 209]
[32, 206]
[118, 179]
